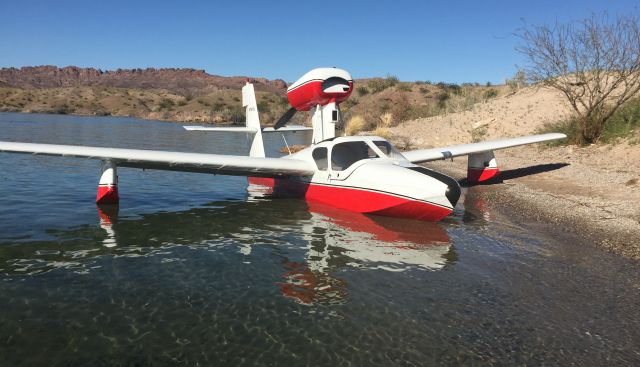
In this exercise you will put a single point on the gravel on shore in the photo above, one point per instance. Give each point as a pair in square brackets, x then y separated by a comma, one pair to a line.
[596, 200]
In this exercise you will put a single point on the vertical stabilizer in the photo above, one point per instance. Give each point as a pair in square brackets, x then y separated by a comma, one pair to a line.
[253, 119]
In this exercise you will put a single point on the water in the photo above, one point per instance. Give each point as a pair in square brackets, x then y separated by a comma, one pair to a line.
[191, 270]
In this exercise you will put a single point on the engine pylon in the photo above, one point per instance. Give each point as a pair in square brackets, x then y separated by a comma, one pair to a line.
[108, 185]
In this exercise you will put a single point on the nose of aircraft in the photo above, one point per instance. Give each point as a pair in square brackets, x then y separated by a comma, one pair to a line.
[453, 188]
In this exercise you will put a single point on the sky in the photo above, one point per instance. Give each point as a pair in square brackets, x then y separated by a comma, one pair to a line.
[451, 41]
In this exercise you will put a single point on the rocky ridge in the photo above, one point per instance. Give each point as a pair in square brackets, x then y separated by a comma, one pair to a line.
[180, 81]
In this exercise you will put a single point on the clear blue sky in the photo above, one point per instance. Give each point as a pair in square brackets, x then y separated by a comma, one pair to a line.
[452, 41]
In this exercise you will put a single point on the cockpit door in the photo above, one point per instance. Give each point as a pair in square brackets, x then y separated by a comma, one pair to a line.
[347, 156]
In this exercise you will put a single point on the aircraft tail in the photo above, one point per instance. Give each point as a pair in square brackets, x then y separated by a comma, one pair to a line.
[252, 125]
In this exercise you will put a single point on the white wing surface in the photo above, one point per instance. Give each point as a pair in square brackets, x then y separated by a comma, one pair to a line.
[434, 154]
[172, 161]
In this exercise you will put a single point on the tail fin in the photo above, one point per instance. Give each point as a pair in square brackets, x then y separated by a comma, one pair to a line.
[253, 119]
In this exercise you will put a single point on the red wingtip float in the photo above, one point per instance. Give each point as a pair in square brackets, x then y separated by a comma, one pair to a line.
[108, 185]
[364, 174]
[482, 167]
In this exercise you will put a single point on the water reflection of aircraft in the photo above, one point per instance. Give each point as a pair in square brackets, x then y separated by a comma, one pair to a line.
[364, 174]
[331, 239]
[108, 215]
[339, 238]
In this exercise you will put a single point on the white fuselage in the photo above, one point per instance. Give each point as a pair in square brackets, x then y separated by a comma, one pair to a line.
[367, 175]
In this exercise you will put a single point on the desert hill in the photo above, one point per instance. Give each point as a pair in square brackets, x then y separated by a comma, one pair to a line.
[164, 94]
[179, 81]
[194, 96]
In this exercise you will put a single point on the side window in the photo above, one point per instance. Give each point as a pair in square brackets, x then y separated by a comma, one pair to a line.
[345, 154]
[383, 146]
[388, 149]
[320, 156]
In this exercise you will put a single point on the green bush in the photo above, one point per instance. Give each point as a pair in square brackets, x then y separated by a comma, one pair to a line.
[621, 125]
[443, 96]
[217, 106]
[490, 93]
[62, 109]
[378, 85]
[263, 106]
[362, 91]
[166, 103]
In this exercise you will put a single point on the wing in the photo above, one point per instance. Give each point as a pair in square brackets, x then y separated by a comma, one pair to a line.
[172, 161]
[434, 154]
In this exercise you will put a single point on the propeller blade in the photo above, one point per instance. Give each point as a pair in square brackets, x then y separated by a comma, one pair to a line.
[285, 118]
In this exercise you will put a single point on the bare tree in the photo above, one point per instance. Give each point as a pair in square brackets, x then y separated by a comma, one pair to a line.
[594, 62]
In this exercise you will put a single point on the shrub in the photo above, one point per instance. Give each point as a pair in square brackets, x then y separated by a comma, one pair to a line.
[442, 98]
[349, 103]
[378, 85]
[405, 87]
[263, 106]
[478, 133]
[236, 115]
[355, 125]
[362, 91]
[166, 103]
[518, 81]
[624, 122]
[217, 106]
[62, 109]
[382, 132]
[490, 93]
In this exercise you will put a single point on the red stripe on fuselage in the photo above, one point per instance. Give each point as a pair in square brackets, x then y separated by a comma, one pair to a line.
[357, 199]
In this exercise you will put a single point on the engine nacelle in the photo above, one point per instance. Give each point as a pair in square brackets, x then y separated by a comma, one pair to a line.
[320, 86]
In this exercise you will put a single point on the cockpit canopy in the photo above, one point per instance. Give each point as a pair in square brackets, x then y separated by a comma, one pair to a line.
[345, 153]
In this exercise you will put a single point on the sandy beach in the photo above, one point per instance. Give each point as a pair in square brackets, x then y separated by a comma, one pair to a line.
[591, 191]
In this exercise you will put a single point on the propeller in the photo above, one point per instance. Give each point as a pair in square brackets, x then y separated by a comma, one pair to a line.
[285, 118]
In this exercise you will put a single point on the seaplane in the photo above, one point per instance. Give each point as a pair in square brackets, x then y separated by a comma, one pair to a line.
[364, 174]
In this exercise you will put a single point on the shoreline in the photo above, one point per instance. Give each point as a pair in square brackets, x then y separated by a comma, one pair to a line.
[117, 116]
[547, 190]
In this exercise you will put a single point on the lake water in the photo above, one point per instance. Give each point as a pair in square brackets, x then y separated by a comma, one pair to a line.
[193, 270]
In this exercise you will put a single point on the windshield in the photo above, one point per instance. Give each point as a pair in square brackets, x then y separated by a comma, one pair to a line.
[388, 149]
[343, 155]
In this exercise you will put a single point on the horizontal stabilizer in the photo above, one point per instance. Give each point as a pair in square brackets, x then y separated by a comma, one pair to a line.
[237, 129]
[434, 154]
[286, 128]
[242, 129]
